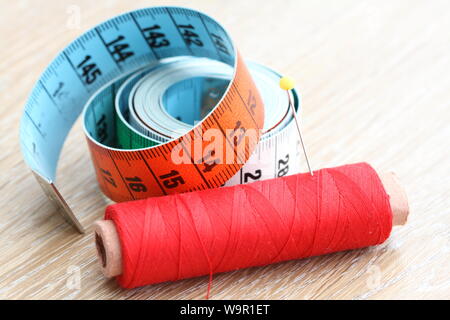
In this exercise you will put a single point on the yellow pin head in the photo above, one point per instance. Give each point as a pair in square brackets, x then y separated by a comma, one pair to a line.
[287, 83]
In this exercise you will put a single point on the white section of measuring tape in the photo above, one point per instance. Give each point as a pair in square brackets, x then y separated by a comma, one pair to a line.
[277, 155]
[147, 110]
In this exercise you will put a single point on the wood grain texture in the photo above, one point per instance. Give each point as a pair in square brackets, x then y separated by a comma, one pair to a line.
[375, 80]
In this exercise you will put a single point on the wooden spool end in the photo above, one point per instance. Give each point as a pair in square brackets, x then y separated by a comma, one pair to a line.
[397, 198]
[108, 247]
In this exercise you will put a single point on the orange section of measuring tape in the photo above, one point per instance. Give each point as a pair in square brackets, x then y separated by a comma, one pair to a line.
[138, 174]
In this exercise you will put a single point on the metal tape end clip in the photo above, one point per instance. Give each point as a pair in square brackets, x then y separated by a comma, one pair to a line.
[58, 201]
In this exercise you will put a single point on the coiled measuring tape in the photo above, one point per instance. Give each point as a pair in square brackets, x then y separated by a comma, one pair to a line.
[151, 84]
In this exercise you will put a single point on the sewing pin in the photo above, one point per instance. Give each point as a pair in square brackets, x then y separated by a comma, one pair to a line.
[287, 83]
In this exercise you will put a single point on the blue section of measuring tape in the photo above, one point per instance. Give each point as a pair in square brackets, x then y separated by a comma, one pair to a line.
[99, 57]
[189, 92]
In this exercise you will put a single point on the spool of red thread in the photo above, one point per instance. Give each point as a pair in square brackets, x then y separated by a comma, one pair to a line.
[186, 235]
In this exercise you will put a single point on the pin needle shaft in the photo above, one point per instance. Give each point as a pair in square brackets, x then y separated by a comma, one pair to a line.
[288, 84]
[300, 134]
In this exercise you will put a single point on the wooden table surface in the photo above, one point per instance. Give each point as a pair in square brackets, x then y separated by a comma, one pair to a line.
[375, 80]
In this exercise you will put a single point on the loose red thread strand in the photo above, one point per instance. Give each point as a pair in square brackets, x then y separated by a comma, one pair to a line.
[201, 233]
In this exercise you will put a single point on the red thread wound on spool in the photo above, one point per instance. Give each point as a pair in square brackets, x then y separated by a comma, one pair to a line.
[199, 233]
